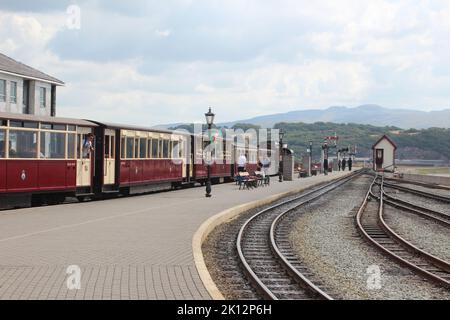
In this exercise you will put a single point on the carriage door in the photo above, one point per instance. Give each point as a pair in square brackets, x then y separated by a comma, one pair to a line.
[379, 158]
[109, 168]
[84, 158]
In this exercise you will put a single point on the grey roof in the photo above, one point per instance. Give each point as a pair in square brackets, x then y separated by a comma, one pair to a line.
[10, 65]
[30, 117]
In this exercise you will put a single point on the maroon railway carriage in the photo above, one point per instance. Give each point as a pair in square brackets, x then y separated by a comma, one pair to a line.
[41, 159]
[221, 158]
[132, 159]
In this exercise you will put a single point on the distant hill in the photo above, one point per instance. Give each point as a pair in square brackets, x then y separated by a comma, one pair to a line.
[365, 114]
[426, 144]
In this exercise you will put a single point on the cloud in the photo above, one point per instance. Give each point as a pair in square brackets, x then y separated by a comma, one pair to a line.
[150, 62]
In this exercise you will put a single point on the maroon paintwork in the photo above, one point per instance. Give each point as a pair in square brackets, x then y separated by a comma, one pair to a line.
[217, 170]
[2, 175]
[37, 175]
[152, 170]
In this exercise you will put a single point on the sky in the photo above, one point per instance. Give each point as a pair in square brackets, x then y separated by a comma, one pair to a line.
[154, 62]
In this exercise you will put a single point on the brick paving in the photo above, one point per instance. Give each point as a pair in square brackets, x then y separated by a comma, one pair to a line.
[128, 248]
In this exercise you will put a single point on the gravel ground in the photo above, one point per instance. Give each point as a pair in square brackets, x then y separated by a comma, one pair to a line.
[430, 236]
[325, 238]
[420, 201]
[440, 192]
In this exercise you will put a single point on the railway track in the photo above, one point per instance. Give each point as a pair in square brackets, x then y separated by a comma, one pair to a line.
[372, 225]
[418, 192]
[433, 215]
[266, 257]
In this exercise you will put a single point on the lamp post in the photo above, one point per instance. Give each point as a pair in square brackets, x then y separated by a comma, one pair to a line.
[325, 157]
[209, 120]
[280, 169]
[310, 158]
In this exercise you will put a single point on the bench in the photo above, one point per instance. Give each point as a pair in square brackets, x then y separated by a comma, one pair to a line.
[263, 180]
[245, 180]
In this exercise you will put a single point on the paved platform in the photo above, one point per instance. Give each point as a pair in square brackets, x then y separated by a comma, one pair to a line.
[129, 248]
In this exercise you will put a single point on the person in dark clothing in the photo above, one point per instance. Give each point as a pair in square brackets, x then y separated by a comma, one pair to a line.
[344, 162]
[325, 166]
[339, 164]
[350, 162]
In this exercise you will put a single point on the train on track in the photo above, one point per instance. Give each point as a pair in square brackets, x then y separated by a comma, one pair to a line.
[43, 161]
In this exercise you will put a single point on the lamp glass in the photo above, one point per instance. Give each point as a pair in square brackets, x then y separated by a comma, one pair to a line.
[209, 117]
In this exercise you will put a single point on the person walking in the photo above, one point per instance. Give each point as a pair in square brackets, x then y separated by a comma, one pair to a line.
[344, 163]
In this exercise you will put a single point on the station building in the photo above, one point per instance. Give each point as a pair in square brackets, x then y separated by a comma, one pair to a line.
[26, 90]
[384, 154]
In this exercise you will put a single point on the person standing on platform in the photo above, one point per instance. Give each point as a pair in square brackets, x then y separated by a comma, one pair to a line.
[350, 162]
[242, 161]
[325, 166]
[344, 163]
[339, 164]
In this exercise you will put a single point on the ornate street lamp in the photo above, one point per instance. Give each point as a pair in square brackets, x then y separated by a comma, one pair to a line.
[209, 121]
[280, 169]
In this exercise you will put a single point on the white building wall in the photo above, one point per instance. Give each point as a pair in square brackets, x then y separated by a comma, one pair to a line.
[37, 108]
[389, 153]
[34, 98]
[7, 106]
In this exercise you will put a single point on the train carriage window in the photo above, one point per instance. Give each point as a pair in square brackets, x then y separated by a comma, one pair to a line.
[155, 144]
[79, 145]
[61, 127]
[160, 149]
[22, 144]
[71, 146]
[53, 145]
[175, 149]
[136, 148]
[122, 147]
[142, 148]
[165, 149]
[113, 147]
[30, 125]
[149, 148]
[130, 150]
[2, 143]
[107, 147]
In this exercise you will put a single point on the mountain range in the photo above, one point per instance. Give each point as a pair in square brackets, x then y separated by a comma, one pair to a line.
[364, 114]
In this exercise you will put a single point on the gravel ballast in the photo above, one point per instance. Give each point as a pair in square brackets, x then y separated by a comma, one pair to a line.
[325, 238]
[421, 232]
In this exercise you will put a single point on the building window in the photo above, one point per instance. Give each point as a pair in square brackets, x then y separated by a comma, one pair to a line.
[13, 95]
[42, 97]
[2, 90]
